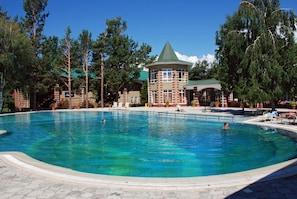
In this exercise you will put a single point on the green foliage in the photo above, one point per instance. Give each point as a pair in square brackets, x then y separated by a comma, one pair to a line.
[15, 56]
[167, 102]
[122, 57]
[63, 104]
[33, 24]
[90, 105]
[202, 70]
[49, 62]
[193, 102]
[85, 45]
[35, 63]
[251, 47]
[143, 92]
[8, 103]
[293, 103]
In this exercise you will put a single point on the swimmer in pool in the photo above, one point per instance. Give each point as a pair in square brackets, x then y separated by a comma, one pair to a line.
[226, 126]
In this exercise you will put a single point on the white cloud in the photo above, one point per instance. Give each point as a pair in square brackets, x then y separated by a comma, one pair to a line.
[192, 59]
[209, 58]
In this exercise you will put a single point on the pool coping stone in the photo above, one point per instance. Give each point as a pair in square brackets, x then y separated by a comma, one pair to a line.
[281, 170]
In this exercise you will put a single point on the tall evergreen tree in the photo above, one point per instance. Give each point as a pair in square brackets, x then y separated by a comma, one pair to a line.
[122, 57]
[33, 24]
[51, 56]
[85, 39]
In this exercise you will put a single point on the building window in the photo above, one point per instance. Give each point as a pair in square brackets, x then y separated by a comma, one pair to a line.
[181, 75]
[167, 75]
[134, 100]
[154, 97]
[167, 95]
[181, 96]
[153, 76]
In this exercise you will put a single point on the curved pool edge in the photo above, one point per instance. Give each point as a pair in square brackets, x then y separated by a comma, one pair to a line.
[25, 163]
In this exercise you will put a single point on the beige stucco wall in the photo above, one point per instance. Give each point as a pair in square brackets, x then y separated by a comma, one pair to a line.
[78, 99]
[130, 94]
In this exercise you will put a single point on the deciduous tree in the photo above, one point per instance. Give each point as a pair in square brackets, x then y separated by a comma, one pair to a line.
[66, 51]
[202, 70]
[250, 45]
[16, 56]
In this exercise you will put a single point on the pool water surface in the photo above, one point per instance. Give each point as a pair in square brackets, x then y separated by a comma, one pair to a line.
[143, 145]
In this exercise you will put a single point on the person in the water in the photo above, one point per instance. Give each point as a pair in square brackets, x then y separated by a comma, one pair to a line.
[226, 126]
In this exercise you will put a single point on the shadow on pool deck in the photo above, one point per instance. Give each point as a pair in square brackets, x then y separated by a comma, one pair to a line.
[272, 186]
[245, 112]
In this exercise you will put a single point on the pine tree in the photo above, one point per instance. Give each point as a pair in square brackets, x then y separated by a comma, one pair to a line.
[85, 39]
[122, 57]
[33, 24]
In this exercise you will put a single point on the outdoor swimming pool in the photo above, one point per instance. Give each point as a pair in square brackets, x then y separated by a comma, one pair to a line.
[143, 145]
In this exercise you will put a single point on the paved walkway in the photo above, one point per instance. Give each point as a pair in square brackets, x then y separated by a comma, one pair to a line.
[19, 182]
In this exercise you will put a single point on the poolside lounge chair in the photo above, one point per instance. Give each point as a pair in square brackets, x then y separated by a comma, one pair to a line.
[289, 116]
[115, 105]
[211, 105]
[179, 108]
[270, 115]
[127, 105]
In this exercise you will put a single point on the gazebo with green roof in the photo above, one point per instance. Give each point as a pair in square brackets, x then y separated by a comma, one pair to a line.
[207, 88]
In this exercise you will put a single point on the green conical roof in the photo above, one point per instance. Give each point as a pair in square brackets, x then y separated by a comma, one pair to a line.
[168, 57]
[167, 54]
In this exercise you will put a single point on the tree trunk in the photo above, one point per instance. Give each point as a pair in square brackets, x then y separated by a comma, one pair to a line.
[272, 105]
[87, 80]
[69, 87]
[69, 77]
[242, 106]
[1, 91]
[102, 80]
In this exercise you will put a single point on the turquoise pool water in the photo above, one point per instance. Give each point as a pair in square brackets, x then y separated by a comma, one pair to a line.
[144, 145]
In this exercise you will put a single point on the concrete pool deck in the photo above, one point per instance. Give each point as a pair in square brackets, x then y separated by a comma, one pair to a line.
[24, 177]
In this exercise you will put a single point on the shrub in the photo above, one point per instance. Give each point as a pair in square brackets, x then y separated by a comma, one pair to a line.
[90, 105]
[63, 104]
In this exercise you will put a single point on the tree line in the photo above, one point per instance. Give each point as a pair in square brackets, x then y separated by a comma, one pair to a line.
[256, 56]
[36, 63]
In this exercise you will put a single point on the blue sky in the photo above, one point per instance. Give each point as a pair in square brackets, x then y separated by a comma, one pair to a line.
[189, 25]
